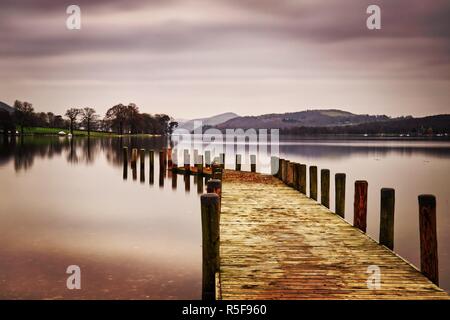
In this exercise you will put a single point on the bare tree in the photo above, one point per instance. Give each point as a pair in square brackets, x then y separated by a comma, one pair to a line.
[72, 114]
[23, 113]
[88, 115]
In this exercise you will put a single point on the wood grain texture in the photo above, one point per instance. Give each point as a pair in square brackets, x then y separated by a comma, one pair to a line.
[275, 243]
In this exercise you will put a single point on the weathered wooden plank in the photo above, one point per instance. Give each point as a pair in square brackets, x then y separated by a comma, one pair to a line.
[275, 243]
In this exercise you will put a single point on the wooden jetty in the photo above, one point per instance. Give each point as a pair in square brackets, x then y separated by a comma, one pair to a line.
[276, 243]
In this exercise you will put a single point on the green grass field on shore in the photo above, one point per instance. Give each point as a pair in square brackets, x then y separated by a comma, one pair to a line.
[55, 131]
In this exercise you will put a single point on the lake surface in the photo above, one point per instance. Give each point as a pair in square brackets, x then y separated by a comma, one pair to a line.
[66, 202]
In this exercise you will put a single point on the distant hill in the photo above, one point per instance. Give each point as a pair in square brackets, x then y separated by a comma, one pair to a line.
[308, 118]
[424, 126]
[208, 122]
[5, 107]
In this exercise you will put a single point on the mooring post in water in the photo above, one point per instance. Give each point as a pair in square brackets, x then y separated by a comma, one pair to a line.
[187, 162]
[313, 182]
[428, 237]
[207, 158]
[195, 157]
[325, 187]
[285, 170]
[274, 166]
[253, 163]
[340, 194]
[210, 210]
[238, 162]
[387, 209]
[302, 178]
[174, 181]
[222, 160]
[187, 182]
[360, 205]
[214, 186]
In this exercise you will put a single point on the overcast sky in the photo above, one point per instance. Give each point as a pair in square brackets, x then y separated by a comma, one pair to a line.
[194, 58]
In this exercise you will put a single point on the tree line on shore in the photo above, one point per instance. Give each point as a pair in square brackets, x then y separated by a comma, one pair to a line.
[120, 119]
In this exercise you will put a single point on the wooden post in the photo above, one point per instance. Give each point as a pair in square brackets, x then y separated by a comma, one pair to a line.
[253, 163]
[214, 186]
[162, 161]
[199, 166]
[207, 158]
[238, 162]
[151, 156]
[285, 170]
[387, 209]
[340, 194]
[360, 205]
[187, 162]
[313, 182]
[296, 182]
[302, 178]
[428, 237]
[274, 166]
[187, 182]
[280, 166]
[210, 244]
[325, 187]
[195, 157]
[290, 174]
[222, 160]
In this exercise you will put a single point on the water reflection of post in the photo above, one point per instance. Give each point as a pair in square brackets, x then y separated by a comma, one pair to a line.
[187, 182]
[142, 163]
[200, 184]
[162, 168]
[125, 163]
[134, 155]
[174, 180]
[151, 178]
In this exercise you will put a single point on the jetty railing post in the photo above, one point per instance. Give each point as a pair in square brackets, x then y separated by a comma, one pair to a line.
[313, 182]
[295, 182]
[280, 168]
[210, 209]
[340, 194]
[290, 174]
[238, 162]
[274, 166]
[302, 178]
[151, 155]
[253, 163]
[360, 205]
[325, 187]
[207, 158]
[428, 237]
[387, 208]
[195, 157]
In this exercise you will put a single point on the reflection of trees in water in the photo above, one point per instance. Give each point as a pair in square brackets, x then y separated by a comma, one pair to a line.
[24, 150]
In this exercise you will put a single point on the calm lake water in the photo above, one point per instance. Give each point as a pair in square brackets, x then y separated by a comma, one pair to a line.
[66, 202]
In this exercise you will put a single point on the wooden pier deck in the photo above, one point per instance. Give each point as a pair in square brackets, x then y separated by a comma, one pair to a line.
[275, 243]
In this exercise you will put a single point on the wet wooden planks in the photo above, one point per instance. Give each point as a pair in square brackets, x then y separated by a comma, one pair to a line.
[278, 244]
